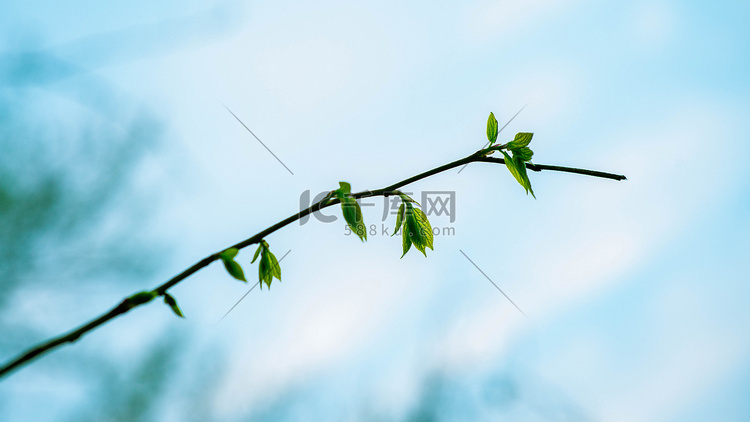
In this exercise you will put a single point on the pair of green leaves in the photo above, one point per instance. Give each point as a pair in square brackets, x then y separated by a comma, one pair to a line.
[147, 296]
[520, 153]
[416, 229]
[268, 268]
[351, 210]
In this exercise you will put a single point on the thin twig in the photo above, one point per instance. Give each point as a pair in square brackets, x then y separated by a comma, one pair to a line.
[128, 304]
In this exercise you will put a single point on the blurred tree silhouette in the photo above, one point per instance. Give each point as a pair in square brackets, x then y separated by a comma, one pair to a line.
[74, 150]
[70, 150]
[133, 394]
[65, 173]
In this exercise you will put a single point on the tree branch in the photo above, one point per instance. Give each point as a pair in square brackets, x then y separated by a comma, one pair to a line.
[132, 302]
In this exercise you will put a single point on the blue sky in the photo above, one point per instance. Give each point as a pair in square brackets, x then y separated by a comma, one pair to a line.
[634, 290]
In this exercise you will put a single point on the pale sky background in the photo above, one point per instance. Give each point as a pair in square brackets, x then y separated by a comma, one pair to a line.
[635, 291]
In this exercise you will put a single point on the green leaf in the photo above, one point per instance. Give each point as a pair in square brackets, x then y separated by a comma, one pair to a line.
[492, 128]
[405, 240]
[399, 218]
[511, 165]
[517, 168]
[521, 140]
[421, 231]
[417, 230]
[257, 252]
[425, 228]
[268, 268]
[141, 298]
[353, 216]
[344, 190]
[229, 253]
[275, 267]
[169, 300]
[361, 228]
[524, 153]
[351, 210]
[521, 166]
[264, 275]
[234, 269]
